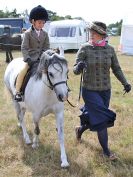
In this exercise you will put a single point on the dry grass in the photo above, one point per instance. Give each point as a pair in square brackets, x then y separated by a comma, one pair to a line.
[20, 160]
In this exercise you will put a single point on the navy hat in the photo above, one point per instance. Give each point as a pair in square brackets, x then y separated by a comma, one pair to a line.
[98, 27]
[38, 13]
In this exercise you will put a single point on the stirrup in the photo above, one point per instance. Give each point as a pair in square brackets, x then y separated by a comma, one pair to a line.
[18, 97]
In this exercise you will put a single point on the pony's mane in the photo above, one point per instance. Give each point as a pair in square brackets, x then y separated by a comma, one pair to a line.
[48, 58]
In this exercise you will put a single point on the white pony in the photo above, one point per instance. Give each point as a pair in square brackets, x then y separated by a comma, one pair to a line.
[45, 93]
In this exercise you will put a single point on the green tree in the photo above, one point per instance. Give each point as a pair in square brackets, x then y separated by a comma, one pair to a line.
[14, 13]
[7, 14]
[116, 25]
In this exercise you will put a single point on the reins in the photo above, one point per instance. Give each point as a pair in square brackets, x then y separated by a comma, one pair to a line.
[51, 86]
[71, 103]
[64, 82]
[80, 90]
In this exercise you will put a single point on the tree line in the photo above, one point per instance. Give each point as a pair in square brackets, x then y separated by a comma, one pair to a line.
[52, 15]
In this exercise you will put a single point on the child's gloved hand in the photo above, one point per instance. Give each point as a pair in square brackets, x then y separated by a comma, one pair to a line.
[29, 61]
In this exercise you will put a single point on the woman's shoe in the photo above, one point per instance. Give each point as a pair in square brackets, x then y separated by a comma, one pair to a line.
[111, 157]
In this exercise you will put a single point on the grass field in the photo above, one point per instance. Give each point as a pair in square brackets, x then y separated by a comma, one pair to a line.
[20, 160]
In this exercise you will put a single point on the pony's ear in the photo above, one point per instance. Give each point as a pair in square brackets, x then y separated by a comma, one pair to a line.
[56, 50]
[61, 51]
[49, 52]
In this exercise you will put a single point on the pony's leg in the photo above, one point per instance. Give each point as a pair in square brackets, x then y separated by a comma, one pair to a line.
[36, 135]
[20, 114]
[7, 57]
[11, 57]
[60, 130]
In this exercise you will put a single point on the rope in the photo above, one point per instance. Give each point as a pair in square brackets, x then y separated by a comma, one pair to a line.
[80, 88]
[71, 103]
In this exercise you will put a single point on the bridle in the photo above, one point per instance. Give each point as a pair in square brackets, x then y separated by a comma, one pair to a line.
[51, 85]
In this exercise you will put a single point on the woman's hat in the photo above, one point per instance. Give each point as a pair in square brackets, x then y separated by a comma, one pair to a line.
[98, 27]
[38, 13]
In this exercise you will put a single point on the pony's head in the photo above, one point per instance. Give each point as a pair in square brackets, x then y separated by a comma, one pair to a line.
[55, 67]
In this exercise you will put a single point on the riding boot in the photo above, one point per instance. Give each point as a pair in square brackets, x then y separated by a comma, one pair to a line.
[79, 130]
[18, 97]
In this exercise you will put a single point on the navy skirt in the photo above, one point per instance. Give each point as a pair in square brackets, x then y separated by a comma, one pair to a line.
[95, 112]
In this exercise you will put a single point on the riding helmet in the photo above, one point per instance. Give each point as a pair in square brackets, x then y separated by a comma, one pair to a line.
[38, 13]
[98, 27]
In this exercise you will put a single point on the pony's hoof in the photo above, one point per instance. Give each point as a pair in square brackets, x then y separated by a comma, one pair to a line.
[28, 141]
[35, 146]
[65, 164]
[19, 125]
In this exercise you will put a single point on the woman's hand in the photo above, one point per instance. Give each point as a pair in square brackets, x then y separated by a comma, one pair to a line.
[80, 66]
[127, 88]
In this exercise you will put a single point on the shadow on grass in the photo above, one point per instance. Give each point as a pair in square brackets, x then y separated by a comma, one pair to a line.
[122, 167]
[45, 160]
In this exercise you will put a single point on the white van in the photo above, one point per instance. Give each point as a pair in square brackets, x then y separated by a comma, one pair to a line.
[68, 34]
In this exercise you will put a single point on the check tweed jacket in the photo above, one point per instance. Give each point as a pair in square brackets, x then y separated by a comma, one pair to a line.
[99, 60]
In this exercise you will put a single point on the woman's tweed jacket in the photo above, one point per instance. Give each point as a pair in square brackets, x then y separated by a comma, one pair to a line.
[99, 60]
[32, 45]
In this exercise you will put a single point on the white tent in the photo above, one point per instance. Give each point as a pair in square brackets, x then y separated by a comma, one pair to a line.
[126, 40]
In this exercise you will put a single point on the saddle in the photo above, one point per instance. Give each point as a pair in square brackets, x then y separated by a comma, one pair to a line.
[25, 81]
[27, 77]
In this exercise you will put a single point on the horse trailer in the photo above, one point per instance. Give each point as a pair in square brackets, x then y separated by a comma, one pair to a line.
[13, 22]
[68, 34]
[9, 30]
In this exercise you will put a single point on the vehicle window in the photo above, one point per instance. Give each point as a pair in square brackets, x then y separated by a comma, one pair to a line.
[72, 31]
[63, 32]
[15, 30]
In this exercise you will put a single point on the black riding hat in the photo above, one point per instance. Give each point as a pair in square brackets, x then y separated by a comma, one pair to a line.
[38, 13]
[98, 27]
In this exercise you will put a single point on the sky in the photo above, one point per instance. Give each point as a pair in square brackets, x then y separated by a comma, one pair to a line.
[107, 11]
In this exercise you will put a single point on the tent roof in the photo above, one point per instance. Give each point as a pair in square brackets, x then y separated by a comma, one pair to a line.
[128, 20]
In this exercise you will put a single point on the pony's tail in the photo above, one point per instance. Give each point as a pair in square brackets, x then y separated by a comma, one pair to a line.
[7, 94]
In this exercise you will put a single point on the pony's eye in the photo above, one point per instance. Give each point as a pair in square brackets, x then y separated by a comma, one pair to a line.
[51, 75]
